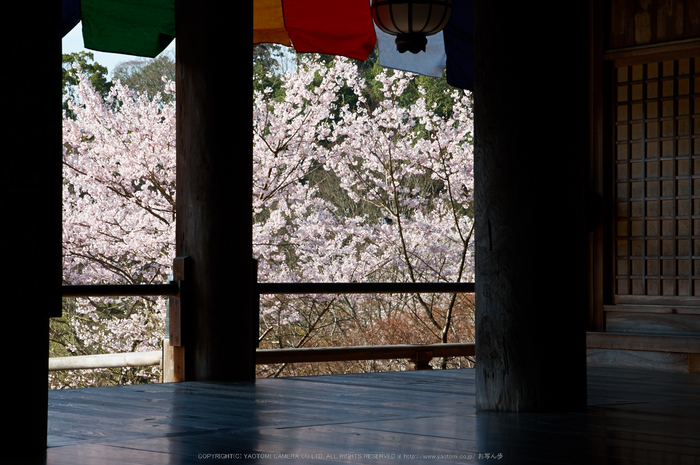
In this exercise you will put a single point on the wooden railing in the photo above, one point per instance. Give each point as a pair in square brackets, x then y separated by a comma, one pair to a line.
[419, 355]
[122, 360]
[364, 288]
[120, 290]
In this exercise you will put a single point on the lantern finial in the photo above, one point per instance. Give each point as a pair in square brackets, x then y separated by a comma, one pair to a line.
[411, 20]
[413, 43]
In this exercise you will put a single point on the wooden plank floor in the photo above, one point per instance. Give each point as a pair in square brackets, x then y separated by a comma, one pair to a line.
[634, 417]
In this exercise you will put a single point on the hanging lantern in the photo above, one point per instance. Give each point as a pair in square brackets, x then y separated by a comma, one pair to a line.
[411, 20]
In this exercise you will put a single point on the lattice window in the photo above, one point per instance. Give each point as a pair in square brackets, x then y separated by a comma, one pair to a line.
[657, 179]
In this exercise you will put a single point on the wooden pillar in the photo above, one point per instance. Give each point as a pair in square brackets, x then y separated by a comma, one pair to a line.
[214, 186]
[31, 224]
[531, 168]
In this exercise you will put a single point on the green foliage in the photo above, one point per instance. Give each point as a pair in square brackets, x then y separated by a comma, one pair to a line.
[69, 75]
[267, 67]
[145, 75]
[266, 56]
[437, 92]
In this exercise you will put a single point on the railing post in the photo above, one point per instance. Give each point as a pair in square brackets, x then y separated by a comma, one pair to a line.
[173, 348]
[420, 361]
[255, 321]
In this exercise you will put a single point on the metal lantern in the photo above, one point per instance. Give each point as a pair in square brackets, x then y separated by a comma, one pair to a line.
[411, 20]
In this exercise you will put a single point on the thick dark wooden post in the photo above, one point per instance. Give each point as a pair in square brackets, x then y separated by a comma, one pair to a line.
[214, 186]
[531, 110]
[31, 225]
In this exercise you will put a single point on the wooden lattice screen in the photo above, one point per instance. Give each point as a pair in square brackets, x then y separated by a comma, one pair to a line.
[657, 180]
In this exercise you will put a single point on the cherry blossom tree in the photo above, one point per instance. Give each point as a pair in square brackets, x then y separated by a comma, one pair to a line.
[344, 190]
[118, 223]
[401, 210]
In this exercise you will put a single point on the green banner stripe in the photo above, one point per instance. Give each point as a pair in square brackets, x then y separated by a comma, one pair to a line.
[133, 27]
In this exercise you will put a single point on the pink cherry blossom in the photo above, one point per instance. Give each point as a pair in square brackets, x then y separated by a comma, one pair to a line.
[342, 192]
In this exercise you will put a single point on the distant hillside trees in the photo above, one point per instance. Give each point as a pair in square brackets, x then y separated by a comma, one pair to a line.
[147, 76]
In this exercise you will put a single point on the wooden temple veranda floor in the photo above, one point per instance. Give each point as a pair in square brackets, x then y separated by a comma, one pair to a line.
[633, 417]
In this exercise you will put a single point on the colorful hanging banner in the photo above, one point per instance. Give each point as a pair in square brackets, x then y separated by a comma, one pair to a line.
[71, 15]
[137, 27]
[459, 45]
[331, 27]
[146, 28]
[268, 23]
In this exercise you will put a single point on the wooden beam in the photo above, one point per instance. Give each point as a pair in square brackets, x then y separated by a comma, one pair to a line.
[128, 359]
[173, 362]
[647, 53]
[174, 326]
[173, 350]
[363, 288]
[114, 290]
[31, 193]
[214, 187]
[645, 342]
[694, 363]
[335, 354]
[637, 23]
[657, 300]
[602, 216]
[651, 309]
[531, 205]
